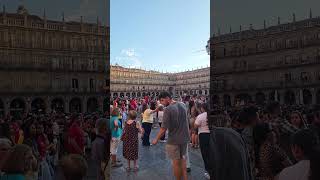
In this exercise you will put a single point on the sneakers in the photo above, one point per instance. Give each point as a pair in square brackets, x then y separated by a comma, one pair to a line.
[206, 175]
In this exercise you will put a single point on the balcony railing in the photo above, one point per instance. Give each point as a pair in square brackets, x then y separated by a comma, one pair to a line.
[266, 85]
[257, 67]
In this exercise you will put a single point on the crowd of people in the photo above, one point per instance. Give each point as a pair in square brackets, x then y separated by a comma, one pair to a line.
[247, 142]
[129, 117]
[54, 146]
[270, 142]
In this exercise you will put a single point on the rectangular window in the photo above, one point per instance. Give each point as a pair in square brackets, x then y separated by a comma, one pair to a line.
[287, 77]
[91, 84]
[304, 76]
[75, 83]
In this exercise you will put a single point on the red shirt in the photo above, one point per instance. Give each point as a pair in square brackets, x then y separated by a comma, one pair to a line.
[76, 133]
[42, 146]
[115, 104]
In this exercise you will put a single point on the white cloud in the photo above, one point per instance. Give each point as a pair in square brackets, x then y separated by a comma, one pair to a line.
[130, 52]
[177, 66]
[128, 58]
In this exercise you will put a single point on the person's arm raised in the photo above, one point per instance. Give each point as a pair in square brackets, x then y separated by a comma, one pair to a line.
[153, 111]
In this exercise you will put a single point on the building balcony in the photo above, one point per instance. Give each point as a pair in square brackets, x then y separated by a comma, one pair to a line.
[280, 65]
[266, 85]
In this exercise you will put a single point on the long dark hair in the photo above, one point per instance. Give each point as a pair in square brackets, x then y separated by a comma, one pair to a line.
[303, 123]
[191, 104]
[260, 135]
[205, 106]
[144, 107]
[308, 141]
[5, 130]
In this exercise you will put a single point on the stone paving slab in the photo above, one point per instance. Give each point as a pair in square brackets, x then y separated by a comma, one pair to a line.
[154, 165]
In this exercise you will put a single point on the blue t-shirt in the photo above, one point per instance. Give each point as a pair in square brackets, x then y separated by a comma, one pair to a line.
[115, 133]
[12, 177]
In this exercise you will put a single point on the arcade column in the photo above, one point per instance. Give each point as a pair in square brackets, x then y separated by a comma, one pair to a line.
[47, 105]
[84, 105]
[66, 105]
[299, 96]
[314, 96]
[28, 104]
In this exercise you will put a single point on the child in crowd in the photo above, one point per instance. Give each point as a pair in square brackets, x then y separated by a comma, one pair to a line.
[130, 139]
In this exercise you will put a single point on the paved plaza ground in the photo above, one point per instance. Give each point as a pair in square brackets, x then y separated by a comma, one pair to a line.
[153, 164]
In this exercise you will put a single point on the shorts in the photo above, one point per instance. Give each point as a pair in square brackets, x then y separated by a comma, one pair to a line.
[176, 151]
[114, 144]
[195, 131]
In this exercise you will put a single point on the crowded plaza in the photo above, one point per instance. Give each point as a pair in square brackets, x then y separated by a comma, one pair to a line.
[58, 145]
[247, 141]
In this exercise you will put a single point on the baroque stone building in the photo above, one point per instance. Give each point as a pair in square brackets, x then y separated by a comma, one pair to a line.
[131, 82]
[52, 65]
[280, 63]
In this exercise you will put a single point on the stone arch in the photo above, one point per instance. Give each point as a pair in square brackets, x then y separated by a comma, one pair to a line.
[171, 90]
[318, 97]
[307, 96]
[289, 97]
[215, 99]
[200, 91]
[38, 106]
[133, 94]
[92, 105]
[274, 96]
[260, 98]
[57, 105]
[75, 105]
[139, 94]
[226, 100]
[17, 108]
[122, 94]
[205, 92]
[243, 98]
[143, 94]
[2, 112]
[115, 95]
[128, 94]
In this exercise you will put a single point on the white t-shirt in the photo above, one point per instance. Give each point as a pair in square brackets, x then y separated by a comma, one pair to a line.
[202, 122]
[147, 116]
[160, 116]
[55, 129]
[299, 171]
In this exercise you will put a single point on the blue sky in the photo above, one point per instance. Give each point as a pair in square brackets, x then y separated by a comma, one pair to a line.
[72, 9]
[163, 35]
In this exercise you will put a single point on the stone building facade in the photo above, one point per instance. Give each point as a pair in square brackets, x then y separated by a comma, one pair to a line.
[52, 65]
[131, 82]
[280, 63]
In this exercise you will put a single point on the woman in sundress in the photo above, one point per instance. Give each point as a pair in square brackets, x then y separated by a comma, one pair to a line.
[131, 140]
